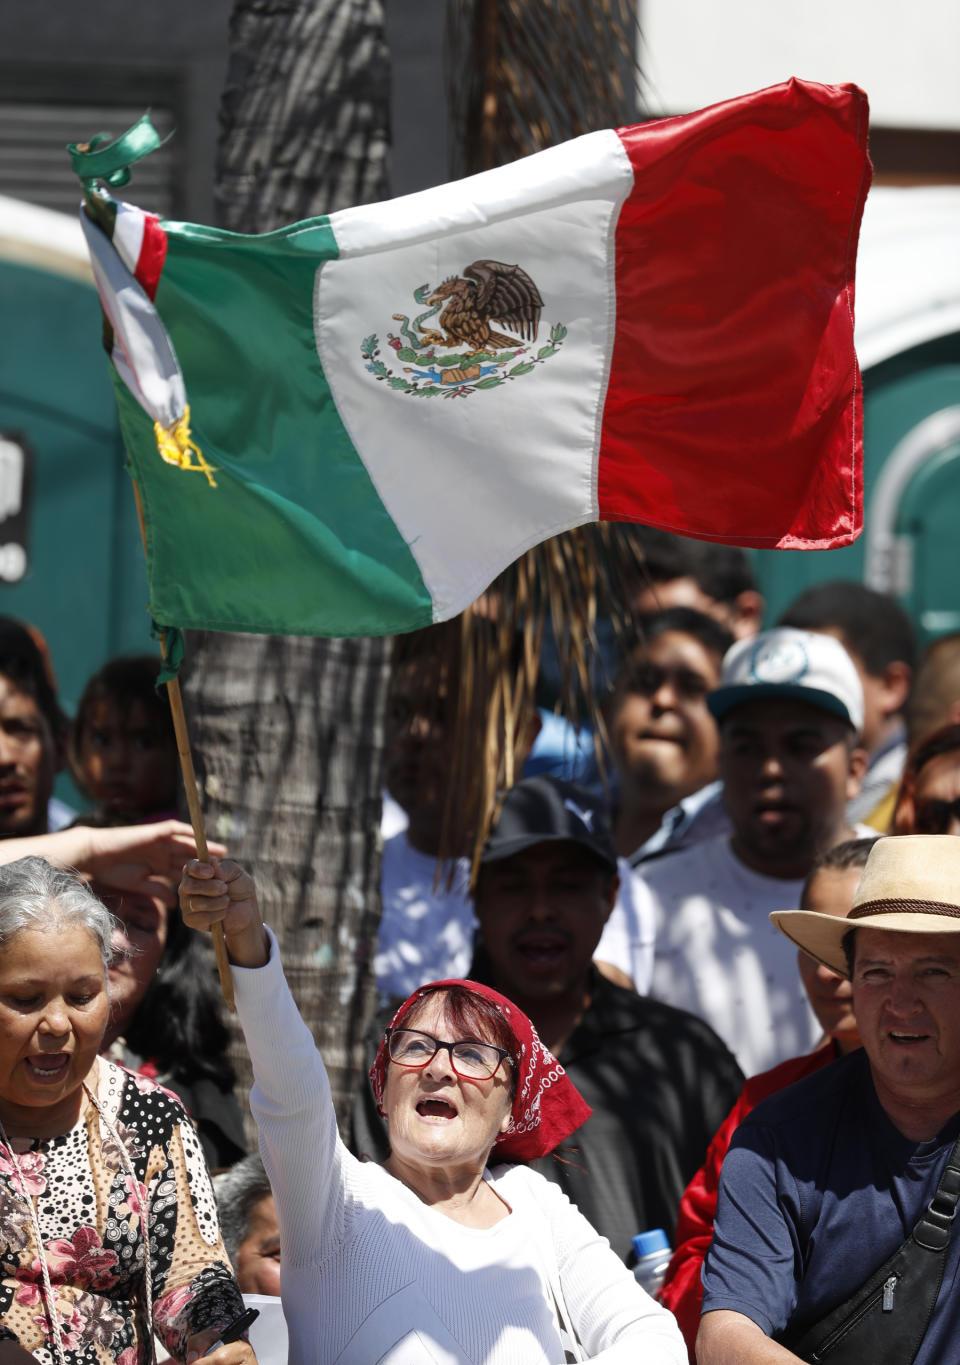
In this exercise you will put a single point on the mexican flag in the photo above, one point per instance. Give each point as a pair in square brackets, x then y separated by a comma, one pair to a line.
[351, 425]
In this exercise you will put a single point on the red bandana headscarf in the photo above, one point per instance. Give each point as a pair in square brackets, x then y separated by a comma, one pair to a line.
[547, 1106]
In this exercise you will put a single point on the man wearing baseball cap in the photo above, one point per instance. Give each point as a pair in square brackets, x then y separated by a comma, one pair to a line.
[834, 1237]
[789, 709]
[656, 1078]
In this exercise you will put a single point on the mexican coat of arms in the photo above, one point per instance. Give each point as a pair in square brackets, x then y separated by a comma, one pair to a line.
[462, 352]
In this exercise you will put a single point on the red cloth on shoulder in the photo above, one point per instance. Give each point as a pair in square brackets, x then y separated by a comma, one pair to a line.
[547, 1106]
[682, 1291]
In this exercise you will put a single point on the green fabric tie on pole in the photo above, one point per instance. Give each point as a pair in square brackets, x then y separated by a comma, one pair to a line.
[111, 162]
[171, 645]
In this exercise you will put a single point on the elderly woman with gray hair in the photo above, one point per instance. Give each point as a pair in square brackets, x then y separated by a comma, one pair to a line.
[90, 1157]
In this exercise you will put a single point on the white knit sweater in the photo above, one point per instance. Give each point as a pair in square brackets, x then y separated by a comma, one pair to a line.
[372, 1276]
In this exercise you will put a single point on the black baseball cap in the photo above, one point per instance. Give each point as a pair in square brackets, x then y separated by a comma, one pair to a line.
[544, 810]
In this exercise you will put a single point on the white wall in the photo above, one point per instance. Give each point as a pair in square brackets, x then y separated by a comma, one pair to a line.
[904, 53]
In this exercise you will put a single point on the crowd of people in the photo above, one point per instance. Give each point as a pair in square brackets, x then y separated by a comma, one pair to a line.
[713, 990]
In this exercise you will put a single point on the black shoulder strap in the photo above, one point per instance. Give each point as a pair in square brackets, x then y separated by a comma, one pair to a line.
[936, 1222]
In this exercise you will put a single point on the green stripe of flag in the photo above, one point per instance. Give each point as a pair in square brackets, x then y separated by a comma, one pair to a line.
[287, 473]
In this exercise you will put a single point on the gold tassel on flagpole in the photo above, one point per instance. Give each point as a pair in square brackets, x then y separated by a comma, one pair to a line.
[177, 446]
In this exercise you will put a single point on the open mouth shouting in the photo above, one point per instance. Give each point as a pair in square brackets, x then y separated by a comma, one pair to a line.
[436, 1110]
[48, 1068]
[541, 952]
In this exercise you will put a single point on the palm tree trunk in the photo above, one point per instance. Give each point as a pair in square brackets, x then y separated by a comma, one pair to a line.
[304, 119]
[288, 732]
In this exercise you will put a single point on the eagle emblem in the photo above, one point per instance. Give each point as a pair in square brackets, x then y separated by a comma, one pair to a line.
[487, 293]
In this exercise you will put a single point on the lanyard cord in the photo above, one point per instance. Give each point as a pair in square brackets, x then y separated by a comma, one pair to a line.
[141, 1192]
[137, 1188]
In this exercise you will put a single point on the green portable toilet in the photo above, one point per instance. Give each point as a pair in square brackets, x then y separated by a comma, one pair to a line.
[908, 341]
[70, 556]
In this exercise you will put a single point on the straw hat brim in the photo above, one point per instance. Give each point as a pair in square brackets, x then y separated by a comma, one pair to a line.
[822, 935]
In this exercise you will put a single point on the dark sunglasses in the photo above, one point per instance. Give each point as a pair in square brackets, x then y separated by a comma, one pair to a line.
[934, 816]
[647, 679]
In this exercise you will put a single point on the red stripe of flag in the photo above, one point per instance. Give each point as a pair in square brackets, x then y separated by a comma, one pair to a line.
[733, 411]
[153, 253]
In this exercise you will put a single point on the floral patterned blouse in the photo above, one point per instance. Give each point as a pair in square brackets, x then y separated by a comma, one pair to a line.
[91, 1216]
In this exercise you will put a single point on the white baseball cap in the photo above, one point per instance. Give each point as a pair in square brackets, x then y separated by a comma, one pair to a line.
[801, 664]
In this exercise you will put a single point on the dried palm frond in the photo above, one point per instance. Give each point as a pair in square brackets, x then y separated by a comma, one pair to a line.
[489, 659]
[525, 74]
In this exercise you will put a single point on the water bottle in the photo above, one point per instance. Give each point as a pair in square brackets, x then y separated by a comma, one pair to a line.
[653, 1257]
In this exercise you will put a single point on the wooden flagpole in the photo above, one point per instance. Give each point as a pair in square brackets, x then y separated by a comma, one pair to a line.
[190, 787]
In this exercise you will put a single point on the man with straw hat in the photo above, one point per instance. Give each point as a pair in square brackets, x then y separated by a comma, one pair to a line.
[837, 1198]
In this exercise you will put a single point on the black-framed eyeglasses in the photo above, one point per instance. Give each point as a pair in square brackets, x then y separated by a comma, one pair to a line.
[934, 816]
[474, 1061]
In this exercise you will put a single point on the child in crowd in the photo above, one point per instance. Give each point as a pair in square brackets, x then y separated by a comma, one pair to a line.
[123, 752]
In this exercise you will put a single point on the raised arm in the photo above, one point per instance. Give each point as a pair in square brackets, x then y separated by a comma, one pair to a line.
[291, 1102]
[222, 892]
